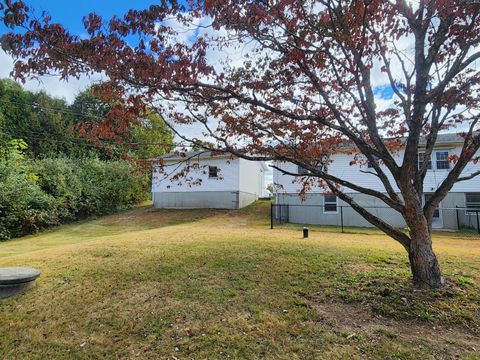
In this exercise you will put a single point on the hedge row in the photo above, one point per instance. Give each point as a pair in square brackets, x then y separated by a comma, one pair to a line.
[42, 193]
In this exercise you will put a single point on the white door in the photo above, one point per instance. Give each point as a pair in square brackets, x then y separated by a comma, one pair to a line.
[437, 221]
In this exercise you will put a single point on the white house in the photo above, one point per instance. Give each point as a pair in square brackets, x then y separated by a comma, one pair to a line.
[213, 180]
[320, 207]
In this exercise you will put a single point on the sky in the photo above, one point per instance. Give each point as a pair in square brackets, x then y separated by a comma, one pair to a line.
[70, 14]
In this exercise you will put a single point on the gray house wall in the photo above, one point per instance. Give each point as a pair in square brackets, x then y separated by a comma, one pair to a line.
[310, 210]
[203, 199]
[245, 199]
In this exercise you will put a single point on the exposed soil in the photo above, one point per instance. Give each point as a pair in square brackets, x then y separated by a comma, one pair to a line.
[357, 319]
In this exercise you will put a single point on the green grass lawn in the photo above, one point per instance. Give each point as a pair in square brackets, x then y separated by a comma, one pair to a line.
[220, 284]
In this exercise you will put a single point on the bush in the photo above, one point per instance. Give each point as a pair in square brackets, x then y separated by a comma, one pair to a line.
[110, 185]
[46, 192]
[24, 207]
[59, 178]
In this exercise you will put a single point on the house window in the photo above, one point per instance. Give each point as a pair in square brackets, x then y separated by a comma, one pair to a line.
[369, 164]
[330, 204]
[302, 171]
[421, 160]
[442, 160]
[472, 202]
[322, 164]
[212, 172]
[436, 213]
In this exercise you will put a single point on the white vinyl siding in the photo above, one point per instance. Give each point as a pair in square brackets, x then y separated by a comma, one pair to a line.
[211, 174]
[227, 176]
[340, 167]
[252, 177]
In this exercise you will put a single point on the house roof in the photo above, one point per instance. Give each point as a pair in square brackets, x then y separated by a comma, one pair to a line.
[442, 140]
[203, 154]
[445, 139]
[200, 154]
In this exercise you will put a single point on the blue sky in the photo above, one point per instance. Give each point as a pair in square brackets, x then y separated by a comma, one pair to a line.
[70, 13]
[384, 92]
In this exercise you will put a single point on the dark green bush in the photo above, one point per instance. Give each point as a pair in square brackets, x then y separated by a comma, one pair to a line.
[109, 185]
[59, 178]
[24, 207]
[41, 193]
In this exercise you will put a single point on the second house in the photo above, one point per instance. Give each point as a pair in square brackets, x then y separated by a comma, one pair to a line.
[213, 181]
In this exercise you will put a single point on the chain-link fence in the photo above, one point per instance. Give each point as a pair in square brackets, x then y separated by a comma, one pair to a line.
[345, 217]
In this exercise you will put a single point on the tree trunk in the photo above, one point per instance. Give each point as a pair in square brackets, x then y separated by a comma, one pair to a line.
[423, 262]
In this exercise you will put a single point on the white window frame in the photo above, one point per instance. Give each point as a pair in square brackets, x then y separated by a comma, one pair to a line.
[325, 211]
[467, 212]
[319, 165]
[302, 171]
[422, 154]
[322, 164]
[436, 160]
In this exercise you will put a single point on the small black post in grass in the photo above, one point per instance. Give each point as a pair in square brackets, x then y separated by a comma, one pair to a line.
[305, 232]
[341, 216]
[458, 218]
[271, 216]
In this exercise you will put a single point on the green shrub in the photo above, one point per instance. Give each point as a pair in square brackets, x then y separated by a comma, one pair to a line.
[24, 207]
[109, 186]
[46, 192]
[59, 178]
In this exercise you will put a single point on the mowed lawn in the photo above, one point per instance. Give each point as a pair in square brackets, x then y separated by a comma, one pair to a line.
[198, 284]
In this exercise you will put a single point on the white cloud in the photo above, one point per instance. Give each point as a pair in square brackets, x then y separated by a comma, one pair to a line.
[6, 64]
[52, 85]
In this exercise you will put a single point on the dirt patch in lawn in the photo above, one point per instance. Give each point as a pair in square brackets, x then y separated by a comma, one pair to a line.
[353, 320]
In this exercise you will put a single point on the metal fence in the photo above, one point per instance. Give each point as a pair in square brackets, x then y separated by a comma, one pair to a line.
[341, 216]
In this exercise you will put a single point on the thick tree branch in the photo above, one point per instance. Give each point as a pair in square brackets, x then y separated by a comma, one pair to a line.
[468, 177]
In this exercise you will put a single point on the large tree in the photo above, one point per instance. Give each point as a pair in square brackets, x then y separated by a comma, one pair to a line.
[40, 120]
[101, 122]
[301, 84]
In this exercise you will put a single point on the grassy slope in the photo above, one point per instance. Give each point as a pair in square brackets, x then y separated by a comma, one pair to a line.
[212, 284]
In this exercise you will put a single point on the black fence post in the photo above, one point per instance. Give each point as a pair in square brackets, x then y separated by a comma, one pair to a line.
[478, 223]
[288, 213]
[271, 216]
[341, 216]
[458, 218]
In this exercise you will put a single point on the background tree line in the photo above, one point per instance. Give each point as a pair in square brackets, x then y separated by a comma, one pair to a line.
[52, 171]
